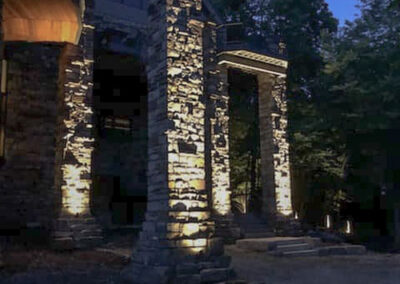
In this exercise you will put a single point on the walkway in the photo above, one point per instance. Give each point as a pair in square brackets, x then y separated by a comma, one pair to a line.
[260, 268]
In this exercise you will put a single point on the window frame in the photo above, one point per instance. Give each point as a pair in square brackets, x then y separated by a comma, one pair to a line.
[3, 108]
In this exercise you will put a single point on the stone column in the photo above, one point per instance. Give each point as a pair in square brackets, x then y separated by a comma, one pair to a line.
[177, 242]
[1, 59]
[3, 94]
[396, 218]
[275, 171]
[75, 226]
[217, 138]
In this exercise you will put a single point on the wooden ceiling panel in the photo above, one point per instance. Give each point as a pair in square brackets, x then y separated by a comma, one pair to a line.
[41, 21]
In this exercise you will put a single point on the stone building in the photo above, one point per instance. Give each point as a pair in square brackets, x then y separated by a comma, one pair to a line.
[117, 111]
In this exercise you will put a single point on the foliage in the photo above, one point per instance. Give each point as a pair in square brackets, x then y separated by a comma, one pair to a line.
[340, 83]
[317, 149]
[244, 141]
[364, 70]
[363, 76]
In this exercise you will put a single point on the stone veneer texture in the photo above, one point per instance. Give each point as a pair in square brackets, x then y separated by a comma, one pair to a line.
[75, 227]
[177, 227]
[275, 172]
[218, 125]
[281, 144]
[177, 196]
[77, 137]
[27, 178]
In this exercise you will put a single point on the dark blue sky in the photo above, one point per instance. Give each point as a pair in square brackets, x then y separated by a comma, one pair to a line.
[343, 9]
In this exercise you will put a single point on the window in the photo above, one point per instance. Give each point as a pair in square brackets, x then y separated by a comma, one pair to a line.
[3, 109]
[117, 123]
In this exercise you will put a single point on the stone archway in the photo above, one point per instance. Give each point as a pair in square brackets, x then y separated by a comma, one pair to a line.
[274, 147]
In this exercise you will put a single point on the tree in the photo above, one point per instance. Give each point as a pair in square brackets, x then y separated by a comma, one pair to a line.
[317, 148]
[302, 25]
[364, 70]
[363, 76]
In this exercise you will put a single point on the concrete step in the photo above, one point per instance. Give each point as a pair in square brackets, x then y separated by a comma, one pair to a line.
[255, 228]
[308, 252]
[294, 247]
[258, 235]
[269, 244]
[285, 241]
[342, 250]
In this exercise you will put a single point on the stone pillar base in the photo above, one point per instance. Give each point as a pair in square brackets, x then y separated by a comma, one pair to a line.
[288, 226]
[169, 265]
[76, 233]
[226, 229]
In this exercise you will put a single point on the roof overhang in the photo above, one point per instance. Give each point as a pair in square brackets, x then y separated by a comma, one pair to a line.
[253, 62]
[41, 21]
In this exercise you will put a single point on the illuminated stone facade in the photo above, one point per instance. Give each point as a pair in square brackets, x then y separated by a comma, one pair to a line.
[188, 167]
[218, 101]
[178, 231]
[275, 173]
[75, 226]
[274, 146]
[217, 138]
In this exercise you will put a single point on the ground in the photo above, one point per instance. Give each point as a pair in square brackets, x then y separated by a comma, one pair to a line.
[371, 268]
[103, 265]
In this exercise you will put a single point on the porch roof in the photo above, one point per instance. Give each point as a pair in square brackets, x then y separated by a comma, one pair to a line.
[253, 62]
[41, 21]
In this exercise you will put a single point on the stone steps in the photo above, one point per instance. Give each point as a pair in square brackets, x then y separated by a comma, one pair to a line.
[258, 235]
[287, 241]
[297, 246]
[270, 244]
[342, 250]
[297, 253]
[294, 247]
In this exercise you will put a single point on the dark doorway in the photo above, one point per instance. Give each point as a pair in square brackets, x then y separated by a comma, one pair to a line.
[120, 157]
[244, 143]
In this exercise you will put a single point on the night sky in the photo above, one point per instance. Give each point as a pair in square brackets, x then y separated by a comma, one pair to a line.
[343, 9]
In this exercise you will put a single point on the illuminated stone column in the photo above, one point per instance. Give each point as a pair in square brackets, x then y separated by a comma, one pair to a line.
[75, 226]
[217, 119]
[221, 193]
[217, 138]
[177, 236]
[1, 58]
[275, 170]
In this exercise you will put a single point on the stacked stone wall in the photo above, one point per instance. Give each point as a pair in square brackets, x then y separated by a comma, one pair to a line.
[281, 145]
[275, 173]
[177, 238]
[217, 138]
[27, 189]
[75, 226]
[218, 124]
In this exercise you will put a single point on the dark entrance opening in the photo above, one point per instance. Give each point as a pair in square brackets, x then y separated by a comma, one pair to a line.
[244, 144]
[120, 158]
